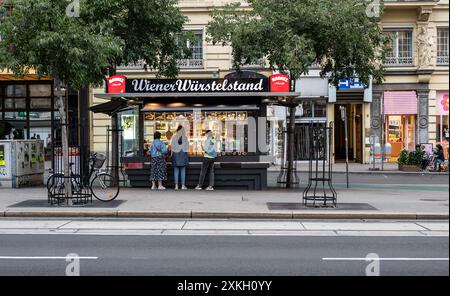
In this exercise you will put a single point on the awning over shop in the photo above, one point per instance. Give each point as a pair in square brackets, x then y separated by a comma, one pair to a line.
[110, 107]
[400, 103]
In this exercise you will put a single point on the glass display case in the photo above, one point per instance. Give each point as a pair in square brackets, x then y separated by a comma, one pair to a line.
[230, 130]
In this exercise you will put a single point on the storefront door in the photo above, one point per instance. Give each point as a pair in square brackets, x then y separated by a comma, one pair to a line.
[355, 128]
[401, 132]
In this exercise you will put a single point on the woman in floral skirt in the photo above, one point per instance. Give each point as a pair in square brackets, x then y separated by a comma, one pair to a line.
[158, 152]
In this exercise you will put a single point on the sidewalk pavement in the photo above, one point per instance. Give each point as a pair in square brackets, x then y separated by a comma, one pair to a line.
[357, 168]
[357, 203]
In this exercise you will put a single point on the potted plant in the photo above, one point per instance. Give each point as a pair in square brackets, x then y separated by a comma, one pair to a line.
[410, 161]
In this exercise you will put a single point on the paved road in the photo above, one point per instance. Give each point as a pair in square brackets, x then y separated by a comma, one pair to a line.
[222, 255]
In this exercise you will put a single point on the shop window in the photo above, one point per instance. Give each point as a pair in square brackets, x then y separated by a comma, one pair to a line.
[443, 132]
[401, 132]
[15, 104]
[40, 90]
[401, 48]
[16, 115]
[195, 61]
[16, 91]
[230, 128]
[44, 103]
[442, 46]
[41, 127]
[129, 123]
[320, 109]
[312, 109]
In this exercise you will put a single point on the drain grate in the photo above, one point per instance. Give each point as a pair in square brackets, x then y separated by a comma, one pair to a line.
[41, 203]
[273, 206]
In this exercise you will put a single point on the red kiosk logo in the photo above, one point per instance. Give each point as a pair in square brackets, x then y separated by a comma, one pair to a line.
[280, 83]
[117, 84]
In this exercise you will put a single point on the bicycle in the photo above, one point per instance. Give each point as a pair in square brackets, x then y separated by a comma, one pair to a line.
[102, 186]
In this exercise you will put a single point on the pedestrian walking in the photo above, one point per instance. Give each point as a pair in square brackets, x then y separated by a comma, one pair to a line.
[158, 152]
[210, 154]
[180, 158]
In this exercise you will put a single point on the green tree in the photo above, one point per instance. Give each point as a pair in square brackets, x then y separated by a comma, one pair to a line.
[79, 43]
[343, 37]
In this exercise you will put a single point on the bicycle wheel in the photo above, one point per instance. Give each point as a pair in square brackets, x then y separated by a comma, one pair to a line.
[104, 188]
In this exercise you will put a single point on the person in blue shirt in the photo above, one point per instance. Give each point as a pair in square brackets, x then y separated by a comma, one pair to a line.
[158, 152]
[209, 156]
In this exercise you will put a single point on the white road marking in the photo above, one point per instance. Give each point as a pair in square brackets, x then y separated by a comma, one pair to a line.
[385, 259]
[45, 258]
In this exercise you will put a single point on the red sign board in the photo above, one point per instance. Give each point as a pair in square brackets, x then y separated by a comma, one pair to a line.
[117, 84]
[280, 83]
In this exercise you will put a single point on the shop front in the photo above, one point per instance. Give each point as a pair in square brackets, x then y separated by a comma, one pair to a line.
[234, 109]
[442, 120]
[26, 111]
[355, 99]
[400, 118]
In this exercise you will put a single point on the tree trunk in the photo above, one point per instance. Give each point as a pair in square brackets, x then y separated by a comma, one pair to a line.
[64, 139]
[291, 149]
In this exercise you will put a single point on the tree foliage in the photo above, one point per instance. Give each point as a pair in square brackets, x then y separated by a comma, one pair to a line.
[294, 34]
[39, 35]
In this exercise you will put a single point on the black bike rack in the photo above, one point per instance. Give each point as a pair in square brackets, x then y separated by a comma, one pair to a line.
[79, 195]
[320, 191]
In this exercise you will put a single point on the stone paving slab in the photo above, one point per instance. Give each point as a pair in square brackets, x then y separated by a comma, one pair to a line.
[21, 224]
[124, 225]
[435, 226]
[385, 226]
[233, 225]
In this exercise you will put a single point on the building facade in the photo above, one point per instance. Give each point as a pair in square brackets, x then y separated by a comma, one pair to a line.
[409, 108]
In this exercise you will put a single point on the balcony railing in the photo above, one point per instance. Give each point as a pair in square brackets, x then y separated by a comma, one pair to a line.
[442, 60]
[398, 61]
[191, 64]
[183, 64]
[138, 65]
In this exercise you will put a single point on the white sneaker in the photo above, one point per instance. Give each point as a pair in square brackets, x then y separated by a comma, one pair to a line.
[154, 188]
[210, 188]
[184, 188]
[198, 188]
[176, 188]
[161, 188]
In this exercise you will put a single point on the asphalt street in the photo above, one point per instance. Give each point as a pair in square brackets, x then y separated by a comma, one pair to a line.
[222, 255]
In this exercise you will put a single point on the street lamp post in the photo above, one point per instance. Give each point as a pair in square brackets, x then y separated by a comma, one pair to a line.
[344, 118]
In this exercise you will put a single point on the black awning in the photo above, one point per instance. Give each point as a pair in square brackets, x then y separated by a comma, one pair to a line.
[110, 107]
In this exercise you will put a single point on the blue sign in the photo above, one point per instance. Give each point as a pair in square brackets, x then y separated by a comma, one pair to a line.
[351, 83]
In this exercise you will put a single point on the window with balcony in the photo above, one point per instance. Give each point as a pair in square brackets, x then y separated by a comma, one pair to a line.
[195, 61]
[401, 49]
[442, 46]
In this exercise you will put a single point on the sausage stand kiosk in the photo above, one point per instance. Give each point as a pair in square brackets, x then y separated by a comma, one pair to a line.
[233, 108]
